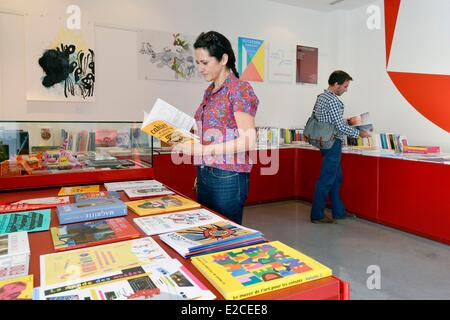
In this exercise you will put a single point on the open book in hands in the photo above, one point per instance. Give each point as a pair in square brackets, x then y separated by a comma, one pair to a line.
[361, 122]
[169, 124]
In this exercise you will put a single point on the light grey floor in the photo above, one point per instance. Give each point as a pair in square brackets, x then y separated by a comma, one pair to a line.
[410, 267]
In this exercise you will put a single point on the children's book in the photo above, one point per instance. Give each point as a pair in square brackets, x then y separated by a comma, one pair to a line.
[20, 288]
[208, 237]
[92, 233]
[161, 205]
[96, 196]
[147, 192]
[168, 124]
[70, 191]
[91, 210]
[168, 280]
[68, 267]
[34, 204]
[14, 255]
[169, 222]
[31, 221]
[118, 186]
[257, 269]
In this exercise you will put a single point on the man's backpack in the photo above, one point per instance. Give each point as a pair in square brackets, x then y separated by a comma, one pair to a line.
[320, 134]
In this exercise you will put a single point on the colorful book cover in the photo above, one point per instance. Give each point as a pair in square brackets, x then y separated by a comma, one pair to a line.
[257, 269]
[147, 192]
[95, 196]
[33, 204]
[92, 210]
[92, 233]
[118, 186]
[208, 235]
[20, 288]
[168, 124]
[69, 267]
[70, 191]
[31, 221]
[161, 281]
[105, 137]
[161, 205]
[14, 255]
[170, 222]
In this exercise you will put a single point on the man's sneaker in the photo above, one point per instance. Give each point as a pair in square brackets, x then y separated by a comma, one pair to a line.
[324, 220]
[347, 216]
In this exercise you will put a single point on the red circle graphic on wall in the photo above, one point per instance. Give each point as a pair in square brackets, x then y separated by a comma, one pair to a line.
[429, 94]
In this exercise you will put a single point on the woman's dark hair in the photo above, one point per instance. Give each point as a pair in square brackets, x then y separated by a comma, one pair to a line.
[217, 45]
[339, 76]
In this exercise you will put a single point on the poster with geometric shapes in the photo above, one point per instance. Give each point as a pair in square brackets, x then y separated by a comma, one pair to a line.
[307, 64]
[251, 59]
[281, 64]
[60, 61]
[166, 56]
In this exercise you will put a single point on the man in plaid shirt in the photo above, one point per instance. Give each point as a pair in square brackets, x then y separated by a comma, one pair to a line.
[329, 108]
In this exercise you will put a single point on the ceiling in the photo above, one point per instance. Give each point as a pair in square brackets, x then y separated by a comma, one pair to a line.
[324, 5]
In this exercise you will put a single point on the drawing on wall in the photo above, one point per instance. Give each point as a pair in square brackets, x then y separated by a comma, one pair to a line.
[307, 64]
[251, 59]
[281, 64]
[419, 66]
[166, 56]
[61, 61]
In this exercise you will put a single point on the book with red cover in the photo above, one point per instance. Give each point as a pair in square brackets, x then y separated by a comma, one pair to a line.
[33, 204]
[92, 233]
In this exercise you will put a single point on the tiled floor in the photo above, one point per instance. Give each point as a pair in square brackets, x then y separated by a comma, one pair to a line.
[411, 267]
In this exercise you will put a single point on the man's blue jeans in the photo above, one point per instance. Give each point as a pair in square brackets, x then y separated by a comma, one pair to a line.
[330, 181]
[223, 191]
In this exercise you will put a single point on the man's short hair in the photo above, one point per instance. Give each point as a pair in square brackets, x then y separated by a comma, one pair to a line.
[339, 76]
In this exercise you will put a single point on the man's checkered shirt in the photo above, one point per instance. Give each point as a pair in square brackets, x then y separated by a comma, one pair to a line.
[329, 108]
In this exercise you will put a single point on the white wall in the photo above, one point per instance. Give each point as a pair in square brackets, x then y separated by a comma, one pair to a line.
[342, 37]
[362, 53]
[119, 93]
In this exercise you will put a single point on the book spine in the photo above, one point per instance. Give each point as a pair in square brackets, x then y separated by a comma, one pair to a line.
[72, 217]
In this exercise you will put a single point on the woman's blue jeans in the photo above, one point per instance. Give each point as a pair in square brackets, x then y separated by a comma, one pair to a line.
[330, 181]
[222, 191]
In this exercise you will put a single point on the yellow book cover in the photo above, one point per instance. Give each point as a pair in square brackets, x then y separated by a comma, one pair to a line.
[168, 124]
[20, 288]
[69, 266]
[70, 191]
[257, 269]
[163, 204]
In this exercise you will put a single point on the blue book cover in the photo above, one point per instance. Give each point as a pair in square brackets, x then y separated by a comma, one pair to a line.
[93, 210]
[31, 221]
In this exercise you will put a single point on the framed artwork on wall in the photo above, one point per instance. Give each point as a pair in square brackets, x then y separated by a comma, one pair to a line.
[307, 64]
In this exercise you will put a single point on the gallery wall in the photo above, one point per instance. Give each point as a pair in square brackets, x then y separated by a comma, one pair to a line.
[121, 96]
[343, 38]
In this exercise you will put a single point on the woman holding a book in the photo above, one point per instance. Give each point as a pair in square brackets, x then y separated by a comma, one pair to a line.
[226, 126]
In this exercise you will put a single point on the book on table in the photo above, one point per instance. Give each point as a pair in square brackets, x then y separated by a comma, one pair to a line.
[14, 255]
[70, 191]
[118, 186]
[258, 269]
[20, 288]
[211, 237]
[91, 210]
[92, 233]
[96, 196]
[138, 193]
[30, 221]
[169, 124]
[163, 204]
[33, 204]
[169, 222]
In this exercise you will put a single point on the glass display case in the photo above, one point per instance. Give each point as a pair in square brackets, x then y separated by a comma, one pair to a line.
[37, 154]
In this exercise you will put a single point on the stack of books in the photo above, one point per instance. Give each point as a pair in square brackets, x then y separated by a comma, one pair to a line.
[213, 237]
[126, 270]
